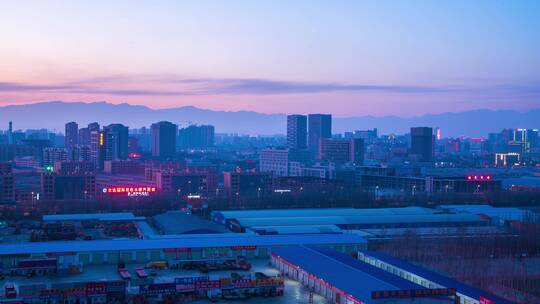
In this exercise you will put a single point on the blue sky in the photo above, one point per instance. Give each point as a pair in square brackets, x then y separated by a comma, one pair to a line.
[345, 57]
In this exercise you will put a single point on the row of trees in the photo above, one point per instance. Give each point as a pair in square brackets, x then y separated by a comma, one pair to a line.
[507, 265]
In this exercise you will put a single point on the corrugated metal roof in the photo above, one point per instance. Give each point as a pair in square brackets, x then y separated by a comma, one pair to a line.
[178, 222]
[507, 213]
[117, 216]
[345, 273]
[297, 229]
[359, 220]
[320, 212]
[435, 277]
[200, 241]
[436, 231]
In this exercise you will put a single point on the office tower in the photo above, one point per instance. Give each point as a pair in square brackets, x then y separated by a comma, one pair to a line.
[319, 127]
[164, 139]
[196, 137]
[275, 161]
[72, 135]
[342, 151]
[116, 142]
[422, 143]
[297, 132]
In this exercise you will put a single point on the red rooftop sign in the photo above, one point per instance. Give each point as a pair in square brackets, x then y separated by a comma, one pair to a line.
[130, 191]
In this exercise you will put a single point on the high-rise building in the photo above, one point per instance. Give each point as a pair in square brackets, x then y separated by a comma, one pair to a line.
[73, 167]
[7, 185]
[275, 161]
[164, 140]
[68, 187]
[93, 126]
[80, 153]
[297, 132]
[524, 140]
[116, 142]
[84, 137]
[342, 150]
[422, 143]
[319, 127]
[133, 145]
[54, 154]
[369, 136]
[196, 136]
[10, 134]
[72, 135]
[96, 148]
[245, 188]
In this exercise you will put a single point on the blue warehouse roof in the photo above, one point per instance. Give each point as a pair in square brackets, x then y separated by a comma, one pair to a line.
[117, 216]
[310, 212]
[363, 220]
[200, 241]
[343, 272]
[435, 277]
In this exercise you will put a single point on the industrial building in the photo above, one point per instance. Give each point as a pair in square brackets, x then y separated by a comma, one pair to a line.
[427, 278]
[178, 222]
[341, 279]
[346, 218]
[177, 248]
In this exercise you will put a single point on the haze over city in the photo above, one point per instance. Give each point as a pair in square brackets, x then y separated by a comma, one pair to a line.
[276, 152]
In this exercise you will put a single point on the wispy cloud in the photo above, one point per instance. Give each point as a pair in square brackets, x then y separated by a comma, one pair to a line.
[266, 87]
[149, 85]
[82, 89]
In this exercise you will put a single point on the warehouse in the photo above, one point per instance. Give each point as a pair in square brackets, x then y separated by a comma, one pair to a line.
[101, 217]
[179, 248]
[222, 216]
[179, 222]
[346, 219]
[427, 278]
[337, 276]
[498, 215]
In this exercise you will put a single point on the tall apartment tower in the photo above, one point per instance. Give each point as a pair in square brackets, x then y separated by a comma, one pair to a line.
[116, 142]
[319, 127]
[422, 143]
[93, 127]
[164, 139]
[72, 135]
[297, 132]
[10, 133]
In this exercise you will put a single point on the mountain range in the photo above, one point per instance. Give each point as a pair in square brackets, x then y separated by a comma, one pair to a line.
[54, 114]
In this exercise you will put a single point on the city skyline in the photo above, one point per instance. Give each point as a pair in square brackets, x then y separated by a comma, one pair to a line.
[352, 58]
[275, 152]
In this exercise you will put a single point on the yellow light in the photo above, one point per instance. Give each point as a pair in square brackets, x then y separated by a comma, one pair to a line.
[101, 139]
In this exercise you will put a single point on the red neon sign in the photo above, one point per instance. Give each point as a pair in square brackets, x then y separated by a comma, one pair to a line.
[128, 189]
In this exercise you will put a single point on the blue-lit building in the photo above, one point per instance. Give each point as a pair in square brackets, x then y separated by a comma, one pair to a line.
[341, 279]
[428, 278]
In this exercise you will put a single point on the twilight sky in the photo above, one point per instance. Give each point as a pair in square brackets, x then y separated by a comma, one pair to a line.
[348, 58]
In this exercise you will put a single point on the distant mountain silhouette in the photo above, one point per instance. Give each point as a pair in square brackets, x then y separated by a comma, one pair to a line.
[54, 114]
